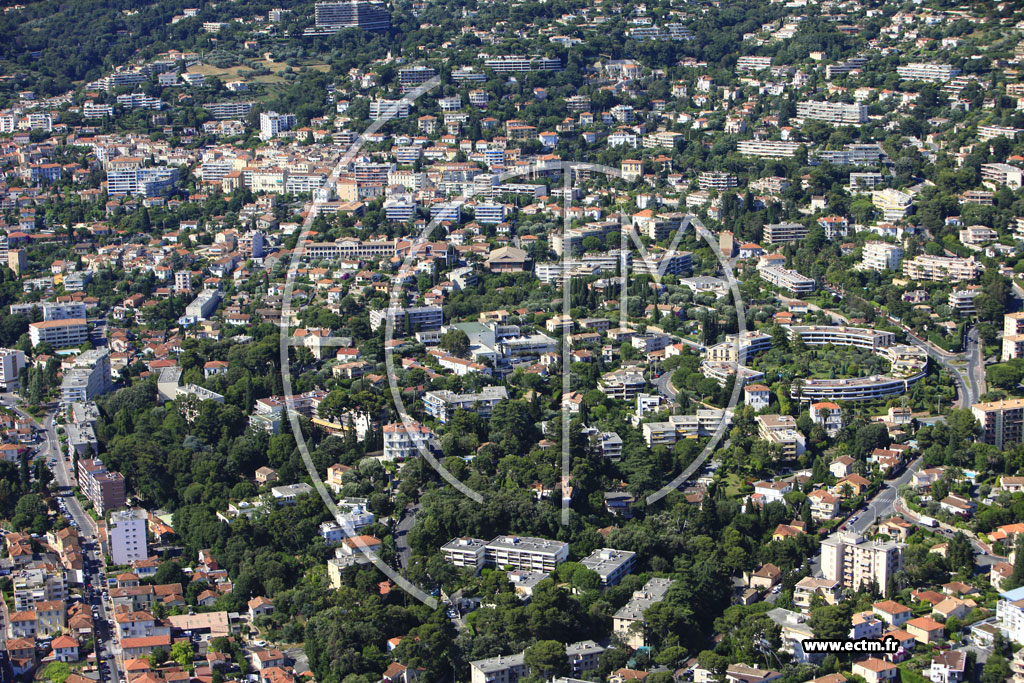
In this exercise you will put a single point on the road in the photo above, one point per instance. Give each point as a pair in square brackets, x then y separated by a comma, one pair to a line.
[836, 318]
[975, 364]
[62, 469]
[965, 389]
[406, 523]
[95, 570]
[664, 385]
[882, 506]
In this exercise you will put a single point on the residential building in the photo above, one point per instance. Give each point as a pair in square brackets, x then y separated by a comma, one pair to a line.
[1001, 421]
[855, 561]
[921, 71]
[881, 256]
[837, 113]
[369, 16]
[60, 334]
[653, 592]
[126, 534]
[938, 268]
[88, 377]
[611, 565]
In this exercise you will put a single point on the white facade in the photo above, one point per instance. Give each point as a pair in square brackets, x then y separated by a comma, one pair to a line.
[127, 533]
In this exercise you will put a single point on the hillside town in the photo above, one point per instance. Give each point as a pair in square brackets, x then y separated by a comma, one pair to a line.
[483, 342]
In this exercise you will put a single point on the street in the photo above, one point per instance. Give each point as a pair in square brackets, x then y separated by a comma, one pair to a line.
[405, 523]
[94, 570]
[881, 507]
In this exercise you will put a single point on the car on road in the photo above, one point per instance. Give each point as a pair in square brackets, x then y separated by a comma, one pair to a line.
[854, 518]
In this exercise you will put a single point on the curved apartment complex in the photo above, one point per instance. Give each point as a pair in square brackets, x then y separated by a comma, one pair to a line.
[908, 363]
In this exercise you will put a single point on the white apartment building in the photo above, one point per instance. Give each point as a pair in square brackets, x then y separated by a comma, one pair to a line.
[518, 552]
[51, 310]
[273, 124]
[703, 423]
[60, 334]
[88, 378]
[881, 256]
[786, 279]
[938, 268]
[893, 204]
[402, 441]
[922, 71]
[611, 565]
[127, 535]
[442, 403]
[1002, 174]
[854, 561]
[767, 149]
[1010, 614]
[12, 362]
[409, 319]
[838, 113]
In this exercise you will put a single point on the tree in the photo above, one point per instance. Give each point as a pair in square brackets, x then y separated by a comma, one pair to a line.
[455, 342]
[183, 653]
[57, 672]
[1017, 576]
[996, 670]
[546, 659]
[960, 554]
[714, 663]
[831, 622]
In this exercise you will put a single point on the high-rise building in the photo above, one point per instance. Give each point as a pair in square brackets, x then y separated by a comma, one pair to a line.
[1001, 421]
[106, 490]
[369, 16]
[127, 535]
[88, 378]
[12, 362]
[272, 123]
[854, 561]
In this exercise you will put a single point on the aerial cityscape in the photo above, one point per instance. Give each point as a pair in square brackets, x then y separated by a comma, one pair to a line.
[542, 341]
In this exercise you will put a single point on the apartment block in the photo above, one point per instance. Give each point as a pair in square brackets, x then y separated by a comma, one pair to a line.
[409, 319]
[786, 279]
[88, 377]
[442, 404]
[653, 592]
[369, 16]
[837, 113]
[893, 204]
[938, 268]
[60, 334]
[402, 441]
[1001, 421]
[921, 71]
[881, 256]
[1002, 174]
[126, 532]
[12, 362]
[518, 552]
[106, 490]
[781, 430]
[854, 561]
[776, 233]
[767, 149]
